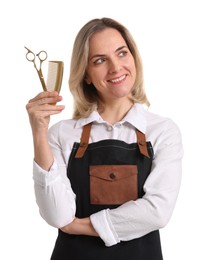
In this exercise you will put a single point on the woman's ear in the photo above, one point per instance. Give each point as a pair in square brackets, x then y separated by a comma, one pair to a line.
[88, 80]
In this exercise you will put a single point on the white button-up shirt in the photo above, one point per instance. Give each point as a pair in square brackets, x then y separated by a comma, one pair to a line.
[134, 219]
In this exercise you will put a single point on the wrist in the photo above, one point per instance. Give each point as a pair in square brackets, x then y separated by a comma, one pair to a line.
[40, 134]
[81, 226]
[42, 151]
[85, 227]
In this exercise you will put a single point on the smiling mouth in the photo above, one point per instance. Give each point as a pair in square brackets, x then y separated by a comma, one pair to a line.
[117, 80]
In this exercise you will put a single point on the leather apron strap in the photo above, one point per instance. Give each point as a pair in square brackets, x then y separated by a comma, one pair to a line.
[141, 141]
[84, 141]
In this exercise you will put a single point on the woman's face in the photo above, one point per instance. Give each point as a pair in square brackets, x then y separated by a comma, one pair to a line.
[111, 67]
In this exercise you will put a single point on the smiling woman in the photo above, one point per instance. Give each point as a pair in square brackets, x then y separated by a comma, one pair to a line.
[112, 72]
[115, 42]
[108, 179]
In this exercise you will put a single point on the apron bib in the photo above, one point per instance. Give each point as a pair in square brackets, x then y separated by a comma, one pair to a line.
[97, 173]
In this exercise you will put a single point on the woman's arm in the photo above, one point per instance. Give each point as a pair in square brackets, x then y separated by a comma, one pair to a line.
[39, 110]
[54, 196]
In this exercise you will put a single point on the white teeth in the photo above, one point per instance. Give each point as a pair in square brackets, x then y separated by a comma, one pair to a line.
[119, 79]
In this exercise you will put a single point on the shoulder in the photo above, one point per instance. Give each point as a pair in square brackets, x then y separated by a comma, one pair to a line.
[64, 132]
[161, 128]
[156, 120]
[165, 136]
[73, 125]
[152, 121]
[62, 125]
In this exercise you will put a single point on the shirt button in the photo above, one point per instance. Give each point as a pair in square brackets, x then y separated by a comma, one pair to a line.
[109, 128]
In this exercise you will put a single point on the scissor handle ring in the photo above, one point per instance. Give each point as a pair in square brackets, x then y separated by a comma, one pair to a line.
[30, 56]
[42, 55]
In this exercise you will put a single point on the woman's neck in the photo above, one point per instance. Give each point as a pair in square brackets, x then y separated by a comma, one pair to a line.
[115, 111]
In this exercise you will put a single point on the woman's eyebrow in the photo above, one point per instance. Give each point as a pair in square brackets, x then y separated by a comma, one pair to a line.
[120, 48]
[97, 56]
[103, 55]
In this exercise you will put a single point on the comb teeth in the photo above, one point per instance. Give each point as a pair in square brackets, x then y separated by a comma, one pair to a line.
[54, 75]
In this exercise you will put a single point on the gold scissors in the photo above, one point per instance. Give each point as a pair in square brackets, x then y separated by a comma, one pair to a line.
[42, 56]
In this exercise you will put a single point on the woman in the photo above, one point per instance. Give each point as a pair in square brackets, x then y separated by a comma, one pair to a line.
[108, 179]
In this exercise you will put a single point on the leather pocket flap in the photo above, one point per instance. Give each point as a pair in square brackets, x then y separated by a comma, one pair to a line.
[113, 172]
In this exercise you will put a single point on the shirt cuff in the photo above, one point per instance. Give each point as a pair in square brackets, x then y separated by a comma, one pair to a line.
[103, 226]
[42, 177]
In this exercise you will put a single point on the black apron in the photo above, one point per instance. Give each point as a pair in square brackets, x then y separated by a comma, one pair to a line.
[106, 152]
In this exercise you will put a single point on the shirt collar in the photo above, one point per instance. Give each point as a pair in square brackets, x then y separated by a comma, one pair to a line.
[136, 117]
[94, 116]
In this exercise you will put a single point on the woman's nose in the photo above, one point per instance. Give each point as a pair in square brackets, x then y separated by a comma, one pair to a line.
[114, 66]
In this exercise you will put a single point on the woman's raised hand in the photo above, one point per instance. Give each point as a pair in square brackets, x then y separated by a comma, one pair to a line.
[41, 107]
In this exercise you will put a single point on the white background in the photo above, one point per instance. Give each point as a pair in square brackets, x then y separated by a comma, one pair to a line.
[176, 45]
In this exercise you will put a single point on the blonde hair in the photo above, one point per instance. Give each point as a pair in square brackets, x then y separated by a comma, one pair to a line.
[86, 98]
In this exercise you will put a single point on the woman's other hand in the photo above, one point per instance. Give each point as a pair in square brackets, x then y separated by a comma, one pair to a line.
[79, 226]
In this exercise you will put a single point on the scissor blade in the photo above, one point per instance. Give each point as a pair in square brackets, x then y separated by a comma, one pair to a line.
[28, 49]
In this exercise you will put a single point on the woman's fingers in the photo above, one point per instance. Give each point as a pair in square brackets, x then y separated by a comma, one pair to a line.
[41, 107]
[44, 98]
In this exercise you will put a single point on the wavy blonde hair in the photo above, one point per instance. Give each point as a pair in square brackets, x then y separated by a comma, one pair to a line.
[85, 96]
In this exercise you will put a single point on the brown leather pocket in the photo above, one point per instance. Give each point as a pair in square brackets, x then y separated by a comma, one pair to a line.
[113, 184]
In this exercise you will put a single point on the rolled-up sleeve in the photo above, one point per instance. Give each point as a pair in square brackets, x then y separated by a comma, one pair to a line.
[153, 211]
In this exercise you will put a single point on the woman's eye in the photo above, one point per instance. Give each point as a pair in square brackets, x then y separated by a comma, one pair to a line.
[99, 61]
[123, 53]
